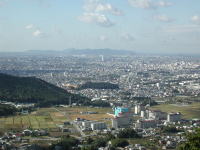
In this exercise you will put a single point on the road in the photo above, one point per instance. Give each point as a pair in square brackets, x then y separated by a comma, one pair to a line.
[73, 123]
[45, 139]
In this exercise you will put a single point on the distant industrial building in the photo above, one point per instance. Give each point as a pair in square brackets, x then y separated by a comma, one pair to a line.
[138, 109]
[87, 124]
[98, 125]
[157, 115]
[94, 125]
[121, 122]
[174, 117]
[122, 117]
[144, 114]
[121, 111]
[147, 123]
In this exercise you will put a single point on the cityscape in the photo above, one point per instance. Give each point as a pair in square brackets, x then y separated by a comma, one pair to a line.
[156, 98]
[99, 75]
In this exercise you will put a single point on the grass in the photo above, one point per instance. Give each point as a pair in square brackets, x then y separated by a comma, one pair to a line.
[49, 118]
[41, 119]
[74, 112]
[188, 111]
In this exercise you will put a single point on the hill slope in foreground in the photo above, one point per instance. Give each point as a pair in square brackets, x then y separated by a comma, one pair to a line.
[34, 90]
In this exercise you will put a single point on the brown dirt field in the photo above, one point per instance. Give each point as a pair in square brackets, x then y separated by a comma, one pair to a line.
[58, 114]
[34, 113]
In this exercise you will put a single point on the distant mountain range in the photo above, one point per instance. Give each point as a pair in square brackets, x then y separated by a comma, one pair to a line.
[72, 52]
[98, 52]
[34, 90]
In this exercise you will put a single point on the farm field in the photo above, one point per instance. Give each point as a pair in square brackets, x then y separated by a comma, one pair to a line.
[75, 112]
[49, 118]
[188, 111]
[44, 118]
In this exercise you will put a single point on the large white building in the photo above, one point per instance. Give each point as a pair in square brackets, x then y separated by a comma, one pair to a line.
[98, 125]
[138, 109]
[123, 117]
[157, 115]
[86, 124]
[174, 117]
[121, 122]
[147, 123]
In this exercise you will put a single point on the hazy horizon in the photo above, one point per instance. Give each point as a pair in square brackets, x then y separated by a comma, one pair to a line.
[142, 26]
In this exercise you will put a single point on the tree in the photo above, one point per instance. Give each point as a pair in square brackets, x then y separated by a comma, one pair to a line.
[193, 142]
[109, 137]
[100, 103]
[100, 142]
[67, 143]
[119, 143]
[170, 129]
[128, 133]
[6, 110]
[89, 140]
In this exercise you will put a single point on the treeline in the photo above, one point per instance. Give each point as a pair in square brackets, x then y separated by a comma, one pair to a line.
[193, 142]
[145, 100]
[6, 110]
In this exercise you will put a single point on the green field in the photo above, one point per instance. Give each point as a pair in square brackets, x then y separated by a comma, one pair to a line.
[48, 118]
[188, 111]
[74, 112]
[42, 119]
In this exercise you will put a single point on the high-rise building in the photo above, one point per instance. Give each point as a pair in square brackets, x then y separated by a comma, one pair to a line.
[122, 117]
[138, 109]
[174, 117]
[98, 125]
[147, 123]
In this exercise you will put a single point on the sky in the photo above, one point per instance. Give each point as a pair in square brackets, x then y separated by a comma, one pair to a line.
[151, 26]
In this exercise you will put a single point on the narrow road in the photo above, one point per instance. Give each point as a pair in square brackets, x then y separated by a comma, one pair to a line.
[72, 122]
[45, 139]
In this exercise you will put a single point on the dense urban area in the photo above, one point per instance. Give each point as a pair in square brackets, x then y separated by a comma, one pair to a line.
[138, 102]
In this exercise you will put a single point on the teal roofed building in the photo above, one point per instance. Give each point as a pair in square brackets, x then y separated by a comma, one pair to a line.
[120, 111]
[123, 117]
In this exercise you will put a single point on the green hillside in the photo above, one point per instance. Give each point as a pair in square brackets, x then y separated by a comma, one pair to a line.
[34, 90]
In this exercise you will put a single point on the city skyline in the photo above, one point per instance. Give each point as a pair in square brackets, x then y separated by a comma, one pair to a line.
[152, 26]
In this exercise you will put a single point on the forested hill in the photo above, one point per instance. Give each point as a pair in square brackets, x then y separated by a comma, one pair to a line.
[34, 90]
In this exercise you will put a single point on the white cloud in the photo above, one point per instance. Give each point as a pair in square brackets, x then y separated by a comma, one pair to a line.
[103, 38]
[127, 37]
[97, 18]
[96, 12]
[164, 4]
[142, 3]
[163, 18]
[97, 7]
[108, 8]
[37, 33]
[196, 19]
[148, 4]
[30, 26]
